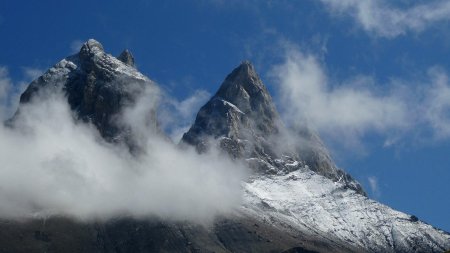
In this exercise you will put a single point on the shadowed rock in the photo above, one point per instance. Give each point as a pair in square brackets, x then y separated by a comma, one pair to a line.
[97, 86]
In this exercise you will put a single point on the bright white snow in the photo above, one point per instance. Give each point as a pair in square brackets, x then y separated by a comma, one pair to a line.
[303, 201]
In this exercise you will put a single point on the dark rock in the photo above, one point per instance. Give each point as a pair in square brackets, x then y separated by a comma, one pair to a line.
[127, 58]
[98, 87]
[298, 250]
[42, 236]
[150, 235]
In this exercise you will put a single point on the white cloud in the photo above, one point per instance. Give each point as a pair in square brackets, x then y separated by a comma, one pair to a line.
[10, 91]
[190, 105]
[353, 108]
[6, 87]
[75, 46]
[385, 20]
[374, 187]
[435, 108]
[67, 169]
[5, 82]
[177, 116]
[32, 73]
[346, 110]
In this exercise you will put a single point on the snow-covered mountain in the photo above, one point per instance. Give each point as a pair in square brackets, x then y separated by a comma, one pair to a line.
[243, 118]
[298, 188]
[297, 200]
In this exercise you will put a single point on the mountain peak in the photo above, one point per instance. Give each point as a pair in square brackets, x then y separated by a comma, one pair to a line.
[243, 88]
[245, 69]
[243, 79]
[243, 118]
[97, 86]
[127, 58]
[91, 47]
[242, 109]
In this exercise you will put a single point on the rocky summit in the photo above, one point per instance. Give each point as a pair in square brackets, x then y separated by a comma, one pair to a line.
[244, 120]
[296, 199]
[97, 86]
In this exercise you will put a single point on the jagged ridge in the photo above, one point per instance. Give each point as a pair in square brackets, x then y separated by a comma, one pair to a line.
[97, 86]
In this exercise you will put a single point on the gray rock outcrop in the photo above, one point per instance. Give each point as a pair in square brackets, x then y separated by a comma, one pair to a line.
[98, 87]
[242, 118]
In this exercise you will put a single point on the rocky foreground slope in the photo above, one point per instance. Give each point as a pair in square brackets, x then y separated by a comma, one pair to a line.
[296, 200]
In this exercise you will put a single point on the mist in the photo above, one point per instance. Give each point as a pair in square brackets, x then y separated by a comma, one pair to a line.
[53, 164]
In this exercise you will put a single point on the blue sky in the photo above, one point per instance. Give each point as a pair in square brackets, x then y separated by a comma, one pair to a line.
[371, 76]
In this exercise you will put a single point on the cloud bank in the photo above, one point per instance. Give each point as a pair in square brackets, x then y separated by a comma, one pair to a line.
[383, 19]
[52, 164]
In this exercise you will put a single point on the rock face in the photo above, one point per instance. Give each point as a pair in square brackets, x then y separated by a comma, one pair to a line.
[242, 109]
[296, 201]
[127, 58]
[242, 117]
[97, 86]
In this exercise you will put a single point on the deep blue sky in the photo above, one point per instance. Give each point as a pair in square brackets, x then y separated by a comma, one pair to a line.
[191, 45]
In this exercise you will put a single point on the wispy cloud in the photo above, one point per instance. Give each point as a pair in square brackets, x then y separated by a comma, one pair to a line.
[10, 90]
[5, 89]
[176, 116]
[75, 46]
[348, 110]
[435, 108]
[374, 187]
[31, 73]
[383, 19]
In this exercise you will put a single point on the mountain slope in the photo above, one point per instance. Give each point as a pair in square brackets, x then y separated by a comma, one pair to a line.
[310, 203]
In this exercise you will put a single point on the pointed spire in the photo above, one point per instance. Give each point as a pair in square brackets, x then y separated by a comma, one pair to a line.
[245, 69]
[127, 58]
[243, 88]
[243, 79]
[243, 74]
[242, 105]
[90, 48]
